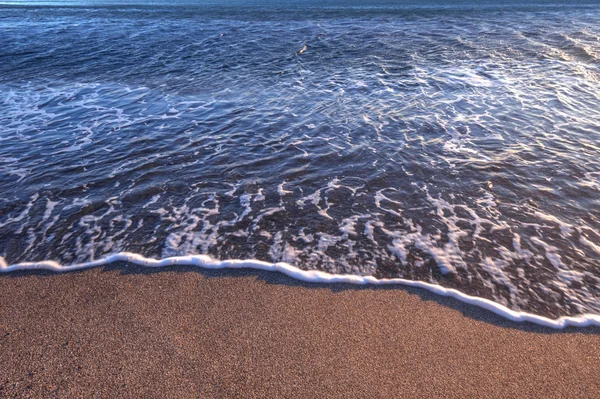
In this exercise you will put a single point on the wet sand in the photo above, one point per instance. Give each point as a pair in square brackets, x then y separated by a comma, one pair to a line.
[126, 331]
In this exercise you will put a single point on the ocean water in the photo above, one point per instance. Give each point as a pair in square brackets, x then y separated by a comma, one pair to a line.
[453, 143]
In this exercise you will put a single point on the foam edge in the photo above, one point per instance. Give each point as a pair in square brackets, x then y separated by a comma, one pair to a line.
[311, 276]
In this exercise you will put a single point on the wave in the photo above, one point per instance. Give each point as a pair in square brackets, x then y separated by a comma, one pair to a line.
[311, 276]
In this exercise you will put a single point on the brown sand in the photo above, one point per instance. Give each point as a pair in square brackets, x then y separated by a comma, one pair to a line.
[123, 331]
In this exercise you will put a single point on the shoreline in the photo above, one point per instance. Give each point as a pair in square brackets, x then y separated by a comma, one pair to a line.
[311, 276]
[189, 332]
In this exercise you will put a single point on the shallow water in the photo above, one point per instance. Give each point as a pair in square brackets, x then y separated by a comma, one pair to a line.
[453, 144]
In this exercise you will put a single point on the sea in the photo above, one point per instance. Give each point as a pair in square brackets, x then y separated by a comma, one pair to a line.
[455, 144]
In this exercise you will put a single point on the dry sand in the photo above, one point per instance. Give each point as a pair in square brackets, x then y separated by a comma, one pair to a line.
[125, 331]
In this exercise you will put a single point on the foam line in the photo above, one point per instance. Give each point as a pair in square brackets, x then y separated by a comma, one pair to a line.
[311, 276]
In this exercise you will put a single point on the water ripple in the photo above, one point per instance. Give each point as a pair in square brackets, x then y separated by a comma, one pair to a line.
[456, 148]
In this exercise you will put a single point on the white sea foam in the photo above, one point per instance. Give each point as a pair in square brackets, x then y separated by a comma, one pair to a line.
[283, 191]
[312, 276]
[565, 228]
[589, 244]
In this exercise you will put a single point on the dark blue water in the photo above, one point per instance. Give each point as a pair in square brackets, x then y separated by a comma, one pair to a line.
[456, 143]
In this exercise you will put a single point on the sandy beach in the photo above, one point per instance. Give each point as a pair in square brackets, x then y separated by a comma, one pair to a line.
[126, 331]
